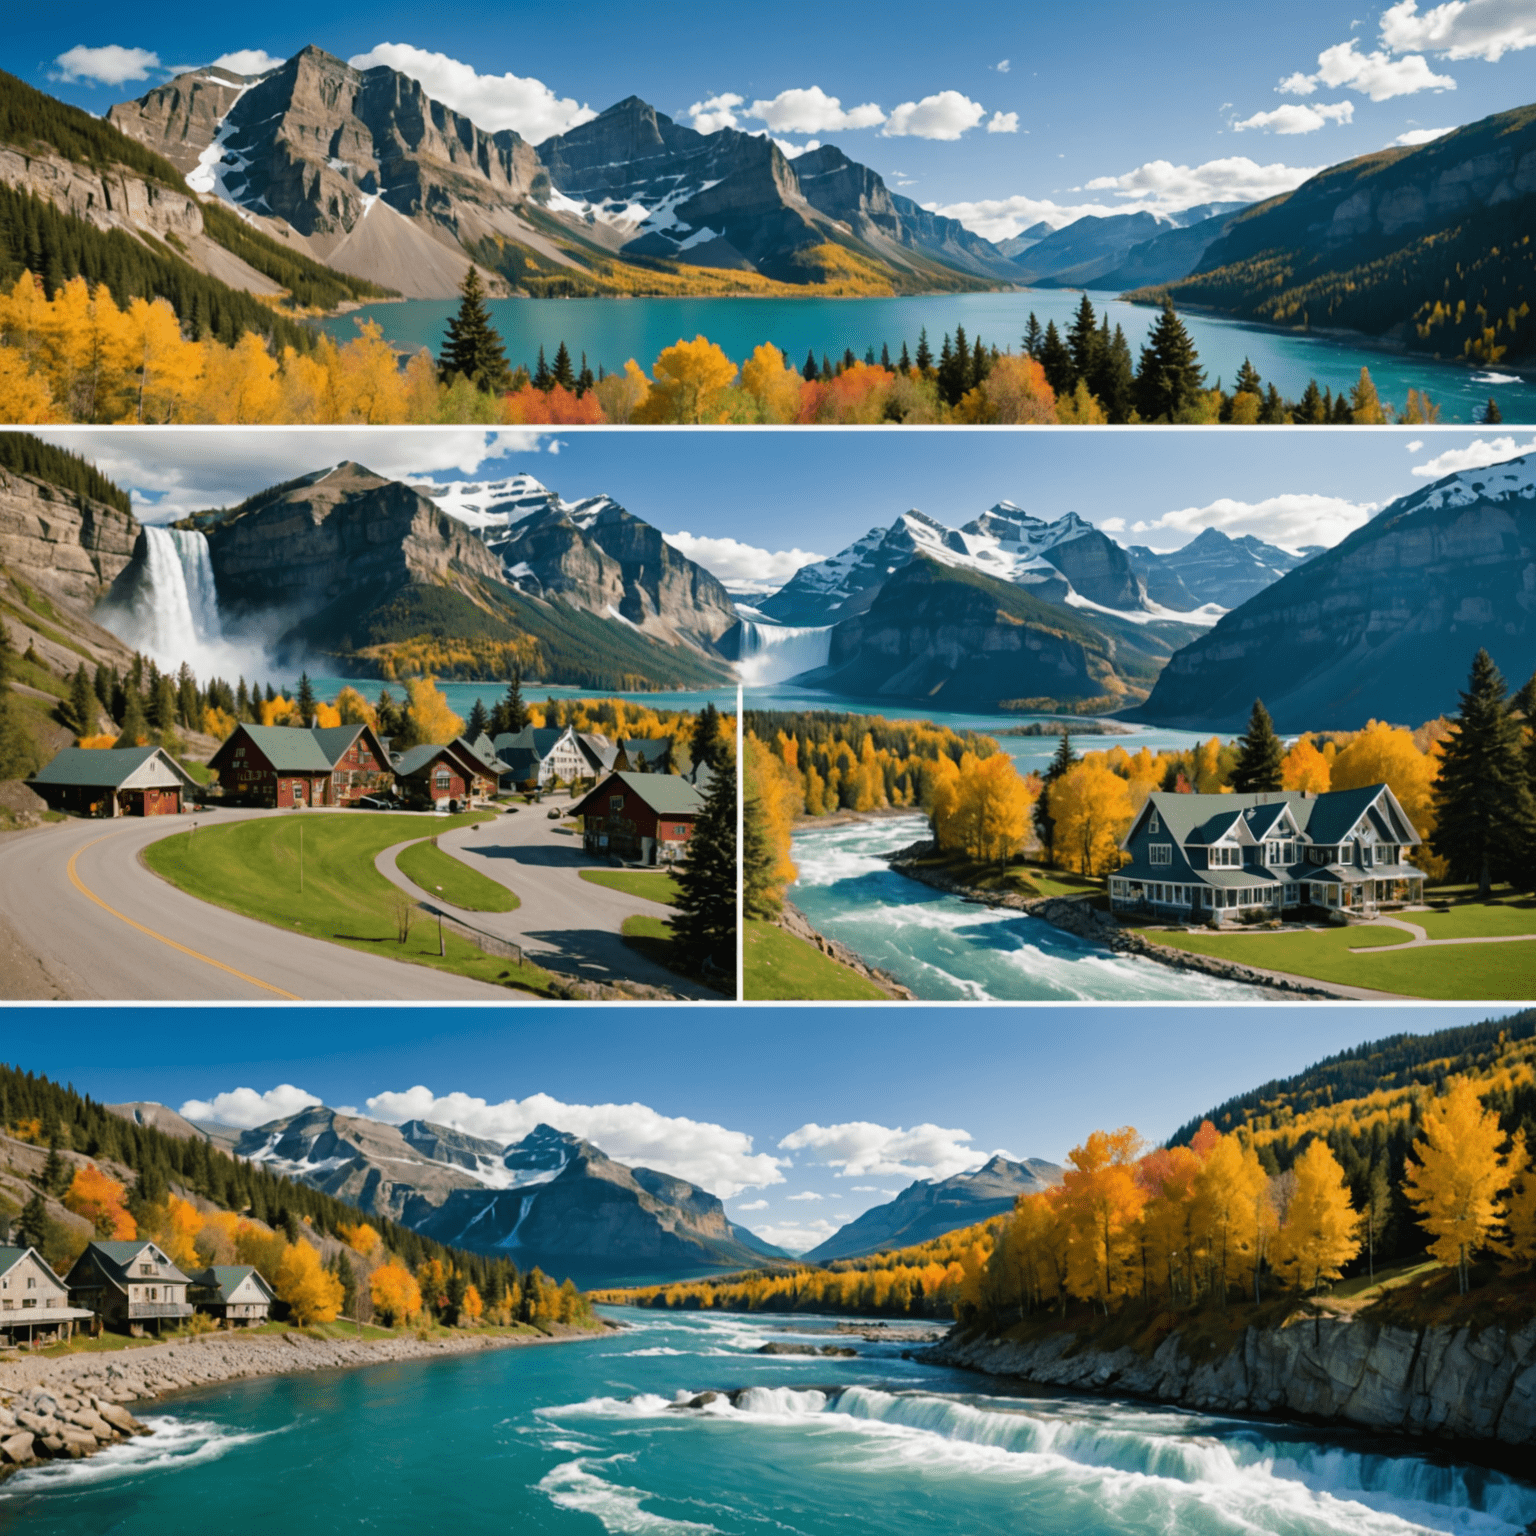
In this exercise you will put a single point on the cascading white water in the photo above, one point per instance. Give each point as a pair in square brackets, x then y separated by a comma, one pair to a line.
[774, 653]
[172, 615]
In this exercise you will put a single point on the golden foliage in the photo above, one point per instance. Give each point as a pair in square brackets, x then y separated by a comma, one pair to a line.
[1093, 809]
[313, 1294]
[98, 1198]
[396, 1296]
[691, 380]
[428, 704]
[1317, 1236]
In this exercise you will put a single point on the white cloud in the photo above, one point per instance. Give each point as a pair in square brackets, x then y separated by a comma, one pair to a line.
[945, 115]
[1378, 74]
[1113, 525]
[1233, 179]
[187, 470]
[715, 113]
[109, 65]
[806, 1194]
[1415, 445]
[244, 1107]
[786, 148]
[248, 61]
[798, 1236]
[1476, 455]
[811, 110]
[1462, 29]
[1422, 135]
[1003, 122]
[491, 102]
[741, 565]
[720, 1160]
[1287, 520]
[753, 1205]
[860, 1148]
[1295, 118]
[1002, 66]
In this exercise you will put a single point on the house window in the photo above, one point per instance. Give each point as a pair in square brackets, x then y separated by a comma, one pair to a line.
[615, 802]
[146, 1269]
[1153, 825]
[442, 779]
[1224, 858]
[1160, 853]
[31, 1282]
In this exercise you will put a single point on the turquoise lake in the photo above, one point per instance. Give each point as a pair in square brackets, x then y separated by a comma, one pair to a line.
[582, 1439]
[610, 331]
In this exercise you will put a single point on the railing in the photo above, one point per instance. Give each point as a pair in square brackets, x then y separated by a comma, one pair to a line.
[159, 1309]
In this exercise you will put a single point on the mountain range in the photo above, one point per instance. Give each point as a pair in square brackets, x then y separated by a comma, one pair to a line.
[1382, 626]
[929, 1208]
[362, 170]
[1122, 250]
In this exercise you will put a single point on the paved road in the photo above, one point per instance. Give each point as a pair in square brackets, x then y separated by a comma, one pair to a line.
[87, 921]
[569, 925]
[1420, 939]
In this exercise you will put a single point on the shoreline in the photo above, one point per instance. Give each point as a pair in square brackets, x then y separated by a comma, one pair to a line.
[67, 1407]
[795, 923]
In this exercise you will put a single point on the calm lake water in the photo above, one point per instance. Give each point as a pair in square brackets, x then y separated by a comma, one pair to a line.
[461, 696]
[610, 331]
[581, 1438]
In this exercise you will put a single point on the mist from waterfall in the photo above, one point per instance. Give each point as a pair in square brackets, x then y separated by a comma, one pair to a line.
[774, 653]
[172, 615]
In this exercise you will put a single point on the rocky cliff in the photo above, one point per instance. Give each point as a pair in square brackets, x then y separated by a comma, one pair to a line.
[1383, 626]
[1437, 1383]
[69, 545]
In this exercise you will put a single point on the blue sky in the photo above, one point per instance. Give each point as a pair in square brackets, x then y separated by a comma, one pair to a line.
[888, 1091]
[1036, 102]
[756, 503]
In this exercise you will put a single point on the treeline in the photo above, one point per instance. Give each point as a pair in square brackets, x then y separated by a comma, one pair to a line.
[59, 1117]
[29, 455]
[1461, 291]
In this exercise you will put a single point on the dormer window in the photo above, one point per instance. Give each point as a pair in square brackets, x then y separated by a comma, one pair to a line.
[1153, 825]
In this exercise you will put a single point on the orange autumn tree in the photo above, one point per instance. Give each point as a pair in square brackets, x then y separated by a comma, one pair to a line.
[98, 1198]
[313, 1294]
[1104, 1203]
[473, 1305]
[396, 1296]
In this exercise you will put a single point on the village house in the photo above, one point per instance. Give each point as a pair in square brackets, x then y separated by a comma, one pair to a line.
[34, 1302]
[644, 754]
[538, 756]
[443, 778]
[1205, 858]
[118, 781]
[130, 1285]
[642, 818]
[236, 1294]
[285, 766]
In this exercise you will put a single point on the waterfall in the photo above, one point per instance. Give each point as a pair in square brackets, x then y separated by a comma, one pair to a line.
[774, 653]
[172, 610]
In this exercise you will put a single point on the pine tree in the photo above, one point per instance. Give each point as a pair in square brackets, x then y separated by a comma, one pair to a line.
[475, 726]
[1485, 819]
[474, 349]
[584, 379]
[905, 365]
[1112, 381]
[885, 356]
[135, 728]
[811, 372]
[1311, 411]
[924, 355]
[1033, 337]
[563, 373]
[82, 702]
[1045, 823]
[1260, 755]
[707, 745]
[1056, 360]
[705, 924]
[1170, 375]
[517, 713]
[32, 1226]
[104, 677]
[306, 699]
[56, 1172]
[1083, 341]
[18, 752]
[542, 378]
[827, 371]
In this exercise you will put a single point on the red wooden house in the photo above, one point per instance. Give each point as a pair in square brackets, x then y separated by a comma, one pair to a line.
[279, 765]
[646, 818]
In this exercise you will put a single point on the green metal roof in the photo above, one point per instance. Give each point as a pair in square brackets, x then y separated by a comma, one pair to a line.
[417, 758]
[102, 769]
[225, 1278]
[667, 794]
[10, 1257]
[333, 740]
[291, 749]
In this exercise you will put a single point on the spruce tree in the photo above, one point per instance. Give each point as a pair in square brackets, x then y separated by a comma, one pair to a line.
[1485, 819]
[1248, 380]
[905, 365]
[1310, 410]
[563, 373]
[18, 751]
[1083, 341]
[1033, 337]
[760, 895]
[57, 1174]
[135, 728]
[924, 354]
[885, 356]
[1259, 758]
[706, 745]
[474, 349]
[827, 370]
[811, 372]
[517, 713]
[306, 699]
[1112, 381]
[1170, 374]
[82, 702]
[705, 924]
[584, 379]
[1056, 360]
[32, 1226]
[1045, 823]
[475, 726]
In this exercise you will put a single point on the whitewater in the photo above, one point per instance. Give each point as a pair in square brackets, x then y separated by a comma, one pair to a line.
[598, 1437]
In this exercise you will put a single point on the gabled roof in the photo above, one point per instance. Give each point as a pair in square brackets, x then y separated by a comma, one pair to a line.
[114, 1257]
[417, 758]
[333, 740]
[291, 749]
[1195, 820]
[521, 761]
[227, 1278]
[104, 769]
[667, 794]
[1337, 812]
[541, 738]
[480, 751]
[11, 1257]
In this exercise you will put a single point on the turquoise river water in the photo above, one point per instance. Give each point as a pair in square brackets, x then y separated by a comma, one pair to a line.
[611, 330]
[585, 1438]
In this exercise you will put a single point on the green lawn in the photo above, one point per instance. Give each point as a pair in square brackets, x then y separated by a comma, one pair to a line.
[777, 965]
[440, 874]
[252, 867]
[1475, 918]
[653, 886]
[1494, 971]
[652, 937]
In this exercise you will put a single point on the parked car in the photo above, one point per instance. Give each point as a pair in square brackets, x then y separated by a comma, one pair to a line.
[379, 803]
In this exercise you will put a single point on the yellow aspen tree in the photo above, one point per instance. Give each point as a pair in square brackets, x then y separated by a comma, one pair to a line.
[239, 384]
[473, 1305]
[623, 395]
[691, 380]
[1169, 1176]
[1092, 810]
[423, 393]
[25, 398]
[1317, 1237]
[428, 704]
[396, 1296]
[307, 388]
[1305, 768]
[370, 386]
[1454, 1184]
[772, 383]
[312, 1293]
[1520, 1215]
[1226, 1195]
[1104, 1203]
[158, 365]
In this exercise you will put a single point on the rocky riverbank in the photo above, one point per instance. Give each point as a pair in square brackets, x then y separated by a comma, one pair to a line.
[794, 921]
[68, 1406]
[1076, 916]
[1454, 1385]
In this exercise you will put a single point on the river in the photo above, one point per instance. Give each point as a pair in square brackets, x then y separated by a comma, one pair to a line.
[609, 331]
[947, 949]
[582, 1438]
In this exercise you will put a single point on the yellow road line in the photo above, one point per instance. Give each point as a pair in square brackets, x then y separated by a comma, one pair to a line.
[86, 891]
